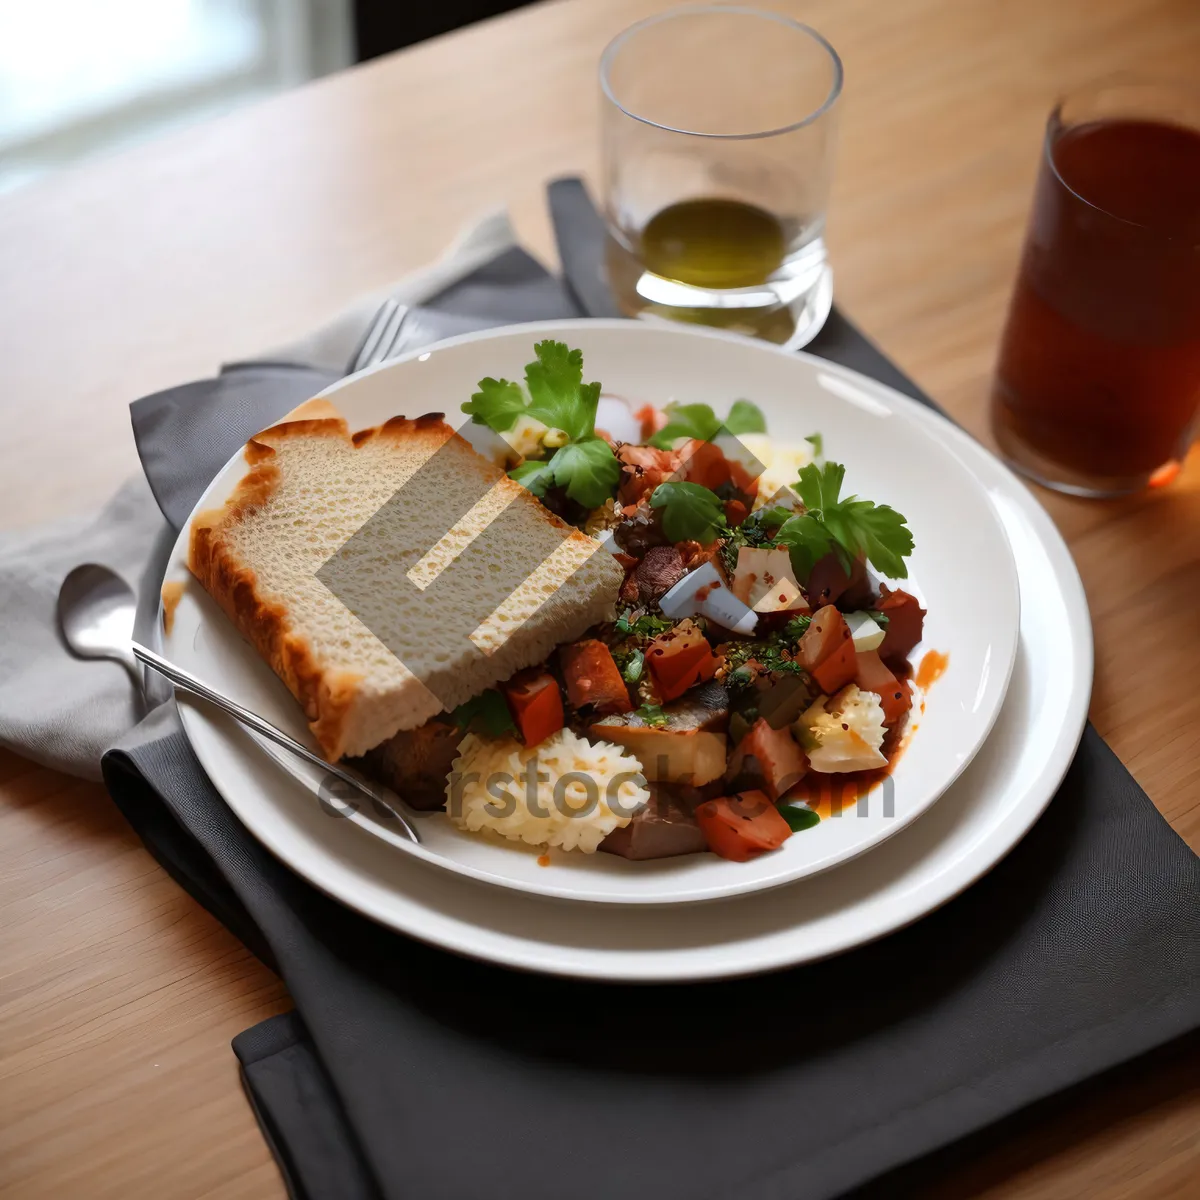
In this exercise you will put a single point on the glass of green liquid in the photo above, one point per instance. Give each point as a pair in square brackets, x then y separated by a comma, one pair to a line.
[718, 131]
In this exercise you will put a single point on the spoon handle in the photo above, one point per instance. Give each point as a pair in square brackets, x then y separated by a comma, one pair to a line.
[188, 682]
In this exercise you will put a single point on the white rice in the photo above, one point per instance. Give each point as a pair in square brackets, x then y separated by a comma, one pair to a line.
[581, 790]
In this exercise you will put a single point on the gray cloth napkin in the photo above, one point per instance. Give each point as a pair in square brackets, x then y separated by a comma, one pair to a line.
[65, 713]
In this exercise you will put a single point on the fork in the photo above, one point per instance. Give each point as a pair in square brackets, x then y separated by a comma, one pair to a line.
[382, 339]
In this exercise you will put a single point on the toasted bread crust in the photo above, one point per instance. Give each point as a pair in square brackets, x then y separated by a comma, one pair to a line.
[327, 696]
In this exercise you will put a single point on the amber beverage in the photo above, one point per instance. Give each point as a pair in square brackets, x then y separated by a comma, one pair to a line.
[1098, 384]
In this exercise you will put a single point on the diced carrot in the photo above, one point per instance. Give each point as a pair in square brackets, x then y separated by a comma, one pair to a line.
[826, 651]
[872, 675]
[740, 827]
[652, 420]
[906, 623]
[705, 463]
[782, 763]
[643, 468]
[536, 705]
[592, 677]
[680, 659]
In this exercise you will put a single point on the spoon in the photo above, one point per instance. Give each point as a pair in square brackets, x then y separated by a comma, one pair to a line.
[96, 611]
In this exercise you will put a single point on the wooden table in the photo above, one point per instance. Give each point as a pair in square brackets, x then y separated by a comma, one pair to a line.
[119, 995]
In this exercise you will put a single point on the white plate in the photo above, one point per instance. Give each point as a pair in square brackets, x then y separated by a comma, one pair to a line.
[976, 823]
[962, 570]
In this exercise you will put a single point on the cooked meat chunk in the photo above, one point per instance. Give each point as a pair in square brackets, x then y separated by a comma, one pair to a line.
[658, 572]
[416, 762]
[664, 828]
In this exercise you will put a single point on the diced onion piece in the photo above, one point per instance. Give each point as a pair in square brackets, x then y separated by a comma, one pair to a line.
[765, 582]
[867, 634]
[703, 592]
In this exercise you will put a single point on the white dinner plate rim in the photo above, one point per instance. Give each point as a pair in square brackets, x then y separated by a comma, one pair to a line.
[933, 893]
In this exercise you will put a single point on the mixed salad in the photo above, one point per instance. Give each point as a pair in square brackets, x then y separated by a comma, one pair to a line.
[754, 644]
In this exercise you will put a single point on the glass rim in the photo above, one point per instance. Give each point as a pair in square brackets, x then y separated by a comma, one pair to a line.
[1056, 127]
[692, 10]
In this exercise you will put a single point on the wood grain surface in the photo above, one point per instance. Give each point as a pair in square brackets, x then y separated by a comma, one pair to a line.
[118, 995]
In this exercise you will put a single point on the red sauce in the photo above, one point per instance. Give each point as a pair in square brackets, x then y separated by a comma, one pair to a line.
[543, 860]
[933, 667]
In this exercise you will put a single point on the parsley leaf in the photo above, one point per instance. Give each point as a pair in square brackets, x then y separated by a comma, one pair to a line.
[745, 417]
[807, 540]
[588, 471]
[498, 404]
[486, 713]
[645, 626]
[818, 444]
[700, 422]
[558, 397]
[690, 513]
[535, 475]
[857, 527]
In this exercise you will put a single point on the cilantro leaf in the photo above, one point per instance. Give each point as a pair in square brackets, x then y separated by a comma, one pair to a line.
[535, 475]
[486, 713]
[856, 527]
[690, 513]
[686, 420]
[700, 422]
[497, 404]
[558, 396]
[807, 540]
[588, 470]
[745, 417]
[874, 530]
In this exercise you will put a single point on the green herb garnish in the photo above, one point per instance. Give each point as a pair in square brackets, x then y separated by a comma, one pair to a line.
[852, 527]
[652, 714]
[818, 444]
[798, 816]
[796, 627]
[631, 665]
[646, 625]
[486, 713]
[880, 619]
[700, 422]
[587, 471]
[690, 513]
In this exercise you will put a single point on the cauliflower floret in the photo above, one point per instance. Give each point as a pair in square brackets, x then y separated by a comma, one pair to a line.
[525, 437]
[843, 732]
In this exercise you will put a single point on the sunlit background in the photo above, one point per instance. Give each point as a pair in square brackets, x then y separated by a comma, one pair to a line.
[80, 77]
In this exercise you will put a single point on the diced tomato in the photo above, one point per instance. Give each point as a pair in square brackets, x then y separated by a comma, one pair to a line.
[826, 651]
[736, 511]
[536, 705]
[680, 659]
[643, 468]
[742, 826]
[782, 763]
[895, 696]
[906, 623]
[592, 677]
[705, 463]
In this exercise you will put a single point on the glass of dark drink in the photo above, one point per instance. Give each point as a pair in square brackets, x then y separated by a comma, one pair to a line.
[1098, 385]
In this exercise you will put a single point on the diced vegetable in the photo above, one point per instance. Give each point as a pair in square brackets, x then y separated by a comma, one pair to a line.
[705, 463]
[781, 764]
[680, 659]
[798, 816]
[703, 592]
[764, 580]
[743, 826]
[536, 705]
[643, 468]
[843, 732]
[826, 651]
[872, 675]
[830, 581]
[592, 677]
[866, 633]
[906, 623]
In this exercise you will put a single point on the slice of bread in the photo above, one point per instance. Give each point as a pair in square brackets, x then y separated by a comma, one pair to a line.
[392, 574]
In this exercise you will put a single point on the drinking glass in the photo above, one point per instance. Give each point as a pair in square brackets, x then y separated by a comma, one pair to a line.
[1098, 384]
[718, 132]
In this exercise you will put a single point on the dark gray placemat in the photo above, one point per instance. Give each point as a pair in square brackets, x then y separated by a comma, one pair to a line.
[407, 1072]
